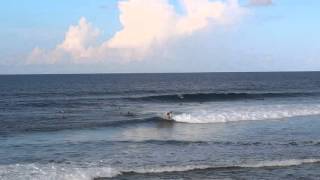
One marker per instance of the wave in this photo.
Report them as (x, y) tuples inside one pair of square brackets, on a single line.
[(74, 93), (203, 97), (215, 114), (249, 113), (263, 164), (48, 126), (209, 142), (54, 172), (67, 172), (281, 163)]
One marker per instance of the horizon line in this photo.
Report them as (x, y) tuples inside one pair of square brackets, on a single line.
[(190, 72)]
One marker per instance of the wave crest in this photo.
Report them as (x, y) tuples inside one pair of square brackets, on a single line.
[(203, 97), (63, 172), (263, 164), (250, 113)]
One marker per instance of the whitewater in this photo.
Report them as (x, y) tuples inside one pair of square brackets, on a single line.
[(246, 113), (65, 172)]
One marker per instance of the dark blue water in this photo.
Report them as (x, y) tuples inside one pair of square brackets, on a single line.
[(225, 126)]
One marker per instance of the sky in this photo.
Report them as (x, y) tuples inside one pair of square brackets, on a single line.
[(146, 36)]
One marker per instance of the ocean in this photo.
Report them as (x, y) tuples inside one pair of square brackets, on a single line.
[(112, 126)]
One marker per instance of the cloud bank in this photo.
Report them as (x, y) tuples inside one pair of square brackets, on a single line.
[(146, 26)]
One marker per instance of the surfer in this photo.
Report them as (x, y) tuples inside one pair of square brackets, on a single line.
[(130, 114), (168, 115)]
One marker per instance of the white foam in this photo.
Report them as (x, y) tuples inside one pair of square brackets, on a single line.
[(281, 163), (247, 113), (164, 169), (274, 163), (53, 172)]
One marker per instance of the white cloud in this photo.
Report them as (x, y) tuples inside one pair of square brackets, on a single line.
[(79, 38), (143, 21), (146, 24), (77, 45), (198, 14)]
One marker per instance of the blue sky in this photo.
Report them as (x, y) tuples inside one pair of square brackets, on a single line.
[(283, 35)]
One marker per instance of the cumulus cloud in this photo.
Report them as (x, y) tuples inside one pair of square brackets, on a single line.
[(260, 2), (79, 38), (143, 22), (76, 45), (146, 24)]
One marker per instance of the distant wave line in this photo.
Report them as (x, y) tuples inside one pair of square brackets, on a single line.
[(203, 97)]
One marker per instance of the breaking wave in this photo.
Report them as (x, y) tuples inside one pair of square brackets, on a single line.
[(63, 172), (249, 113), (214, 114), (53, 172), (263, 164)]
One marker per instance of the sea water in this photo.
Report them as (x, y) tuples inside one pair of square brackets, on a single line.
[(112, 126)]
